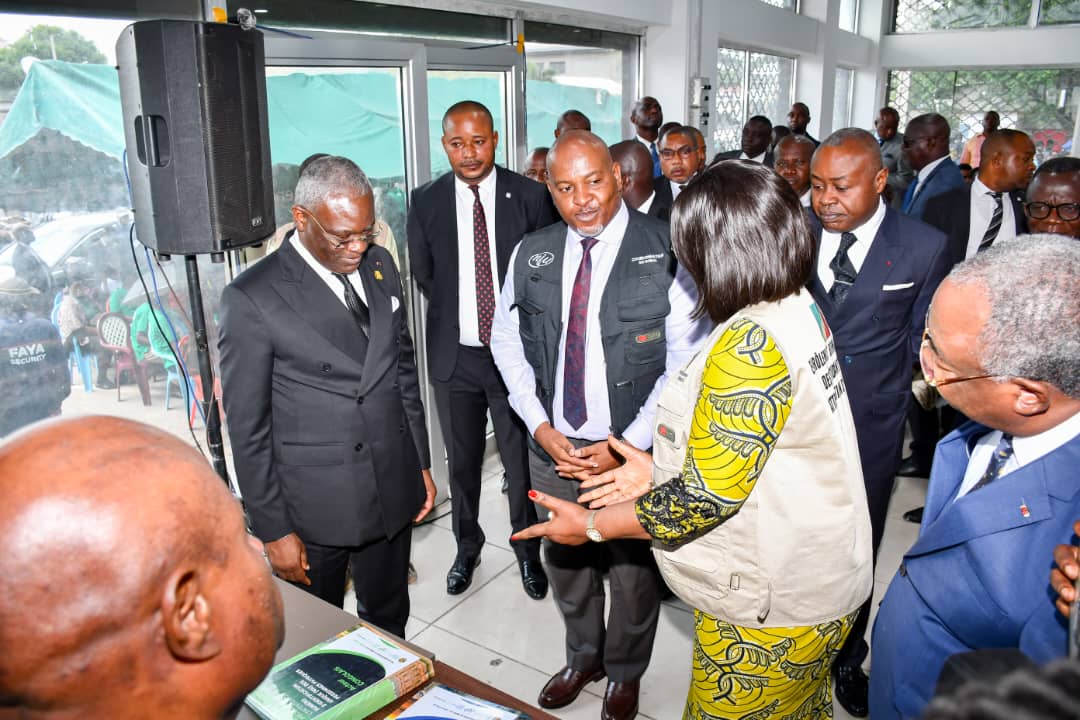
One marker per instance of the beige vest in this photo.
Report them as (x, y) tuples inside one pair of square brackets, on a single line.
[(797, 552)]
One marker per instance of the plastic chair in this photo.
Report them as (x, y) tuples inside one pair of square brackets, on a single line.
[(173, 374), (114, 330), (87, 364)]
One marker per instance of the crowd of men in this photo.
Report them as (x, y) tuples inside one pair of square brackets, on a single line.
[(556, 306)]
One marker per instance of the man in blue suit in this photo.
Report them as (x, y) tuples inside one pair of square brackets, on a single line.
[(876, 273), (926, 149), (1003, 347)]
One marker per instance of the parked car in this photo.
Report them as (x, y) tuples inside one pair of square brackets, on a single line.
[(93, 240)]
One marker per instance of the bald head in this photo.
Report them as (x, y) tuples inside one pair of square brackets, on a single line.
[(584, 182), (636, 164), (124, 534), (926, 139), (856, 141), (572, 120), (1007, 161)]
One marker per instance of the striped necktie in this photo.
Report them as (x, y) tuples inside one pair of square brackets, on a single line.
[(843, 270), (995, 222)]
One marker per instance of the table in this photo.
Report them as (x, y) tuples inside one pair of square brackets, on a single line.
[(309, 620)]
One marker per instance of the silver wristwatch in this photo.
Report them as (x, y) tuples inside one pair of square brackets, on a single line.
[(590, 528)]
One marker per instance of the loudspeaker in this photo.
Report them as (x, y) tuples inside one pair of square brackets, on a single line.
[(193, 96)]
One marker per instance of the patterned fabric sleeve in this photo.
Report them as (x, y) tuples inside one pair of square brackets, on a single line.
[(745, 401)]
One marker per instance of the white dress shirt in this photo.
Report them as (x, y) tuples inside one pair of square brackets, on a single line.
[(805, 199), (830, 243), (684, 337), (644, 207), (649, 144), (468, 319), (328, 277), (676, 188), (982, 211), (920, 178), (1025, 450), (759, 159)]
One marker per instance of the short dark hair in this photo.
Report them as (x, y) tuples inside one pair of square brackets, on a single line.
[(310, 159), (1048, 693), (964, 166), (760, 119), (677, 129), (468, 106), (891, 111), (1059, 166), (742, 234), (574, 116)]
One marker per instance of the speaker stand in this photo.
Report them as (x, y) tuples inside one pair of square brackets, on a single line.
[(206, 371)]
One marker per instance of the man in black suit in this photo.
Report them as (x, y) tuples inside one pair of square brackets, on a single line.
[(793, 156), (647, 117), (876, 273), (637, 180), (678, 163), (592, 315), (320, 386), (462, 228), (572, 120), (798, 118), (756, 140)]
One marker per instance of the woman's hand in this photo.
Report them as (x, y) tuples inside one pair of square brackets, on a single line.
[(565, 524), (627, 482)]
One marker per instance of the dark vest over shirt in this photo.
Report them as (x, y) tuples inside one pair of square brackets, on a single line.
[(633, 311)]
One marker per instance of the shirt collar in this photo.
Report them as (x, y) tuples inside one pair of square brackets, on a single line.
[(805, 199), (757, 158), (866, 232), (644, 207), (1031, 448), (925, 172), (613, 233), (487, 185), (320, 269)]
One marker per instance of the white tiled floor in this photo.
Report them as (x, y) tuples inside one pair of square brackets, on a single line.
[(496, 633)]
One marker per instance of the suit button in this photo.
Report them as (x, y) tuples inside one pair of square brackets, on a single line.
[(327, 367), (359, 447), (395, 386), (360, 400), (903, 570), (847, 359), (874, 318), (401, 428)]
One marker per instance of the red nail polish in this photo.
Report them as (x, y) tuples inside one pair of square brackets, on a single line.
[(532, 494)]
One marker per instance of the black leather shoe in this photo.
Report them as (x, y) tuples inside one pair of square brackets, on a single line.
[(914, 516), (620, 701), (534, 579), (564, 687), (459, 578), (852, 690), (910, 468)]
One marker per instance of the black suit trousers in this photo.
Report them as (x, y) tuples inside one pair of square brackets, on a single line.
[(463, 401), (380, 572)]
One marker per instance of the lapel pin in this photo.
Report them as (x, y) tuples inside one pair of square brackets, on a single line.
[(1024, 509), (507, 196), (888, 263), (378, 275)]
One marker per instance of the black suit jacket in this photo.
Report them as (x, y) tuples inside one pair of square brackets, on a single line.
[(662, 187), (327, 428), (950, 212), (521, 206), (878, 331), (661, 204), (734, 155)]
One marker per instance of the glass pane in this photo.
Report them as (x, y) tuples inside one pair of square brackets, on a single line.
[(564, 77), (381, 19), (769, 93), (849, 15), (786, 4), (1039, 102), (842, 98), (730, 96), (923, 15), (352, 112), (446, 87), (1056, 12)]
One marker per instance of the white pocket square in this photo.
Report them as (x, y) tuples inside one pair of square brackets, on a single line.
[(394, 303), (900, 286)]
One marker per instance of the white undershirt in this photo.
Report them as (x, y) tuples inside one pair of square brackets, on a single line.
[(920, 178), (982, 212), (328, 277), (644, 207), (468, 318), (760, 159), (676, 188), (805, 199), (1025, 450), (830, 243)]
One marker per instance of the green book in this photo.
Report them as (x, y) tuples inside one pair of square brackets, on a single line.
[(349, 676)]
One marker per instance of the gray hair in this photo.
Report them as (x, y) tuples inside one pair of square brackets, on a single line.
[(328, 176), (1033, 331)]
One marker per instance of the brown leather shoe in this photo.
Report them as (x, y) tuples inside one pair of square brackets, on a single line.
[(620, 701), (565, 685)]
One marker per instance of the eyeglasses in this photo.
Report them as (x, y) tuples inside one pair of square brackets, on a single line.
[(337, 241), (929, 365), (684, 152), (1066, 212)]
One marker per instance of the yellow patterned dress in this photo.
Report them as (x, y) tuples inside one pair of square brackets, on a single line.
[(739, 672)]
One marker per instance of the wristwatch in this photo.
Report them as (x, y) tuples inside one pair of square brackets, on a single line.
[(590, 528)]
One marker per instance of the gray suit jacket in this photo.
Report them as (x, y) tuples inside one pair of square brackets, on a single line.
[(327, 427)]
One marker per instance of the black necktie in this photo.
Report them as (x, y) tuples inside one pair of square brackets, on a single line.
[(1002, 453), (995, 222), (843, 270), (356, 305)]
